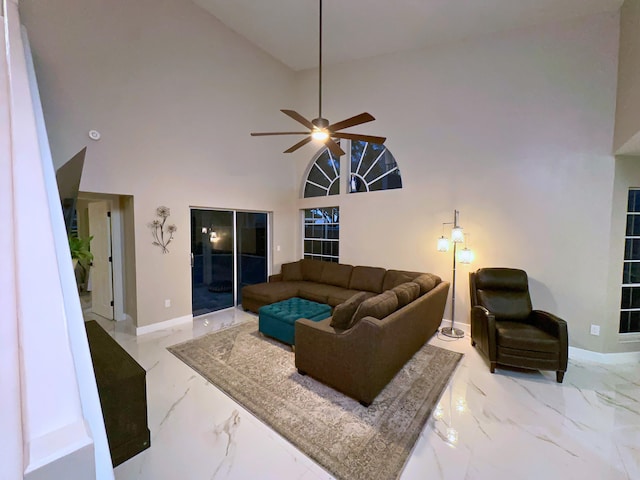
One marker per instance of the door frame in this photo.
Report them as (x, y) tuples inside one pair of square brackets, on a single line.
[(117, 249), (235, 211)]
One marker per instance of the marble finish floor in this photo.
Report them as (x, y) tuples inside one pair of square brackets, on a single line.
[(510, 425)]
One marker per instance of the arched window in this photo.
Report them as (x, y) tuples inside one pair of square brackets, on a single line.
[(372, 167), (324, 176)]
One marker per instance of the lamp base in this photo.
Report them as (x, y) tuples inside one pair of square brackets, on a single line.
[(452, 332)]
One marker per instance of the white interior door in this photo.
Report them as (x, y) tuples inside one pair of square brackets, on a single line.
[(101, 273)]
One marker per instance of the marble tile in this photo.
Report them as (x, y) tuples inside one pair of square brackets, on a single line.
[(512, 424)]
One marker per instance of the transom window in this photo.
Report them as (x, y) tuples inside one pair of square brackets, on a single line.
[(372, 168), (324, 176), (630, 305), (322, 233)]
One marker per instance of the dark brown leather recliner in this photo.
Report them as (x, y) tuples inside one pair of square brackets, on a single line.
[(506, 329)]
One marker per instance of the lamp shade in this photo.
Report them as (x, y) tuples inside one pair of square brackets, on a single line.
[(443, 244), (465, 255), (456, 235)]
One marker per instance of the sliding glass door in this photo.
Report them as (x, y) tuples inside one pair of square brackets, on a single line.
[(228, 251)]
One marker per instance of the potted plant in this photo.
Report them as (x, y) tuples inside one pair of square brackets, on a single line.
[(80, 249), (80, 254)]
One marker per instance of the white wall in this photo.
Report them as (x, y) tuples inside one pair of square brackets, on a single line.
[(515, 131), (627, 132), (174, 94)]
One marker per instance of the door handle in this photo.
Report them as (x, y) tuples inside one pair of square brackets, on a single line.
[(191, 259)]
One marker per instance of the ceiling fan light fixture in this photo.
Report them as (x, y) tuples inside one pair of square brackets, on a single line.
[(320, 129), (320, 134)]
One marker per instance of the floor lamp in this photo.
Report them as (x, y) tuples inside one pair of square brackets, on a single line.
[(463, 256)]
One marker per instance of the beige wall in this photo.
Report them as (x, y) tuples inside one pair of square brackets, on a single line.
[(627, 131), (174, 94), (515, 131)]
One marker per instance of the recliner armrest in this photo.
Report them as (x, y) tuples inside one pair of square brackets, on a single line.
[(549, 322), (483, 330), (557, 327)]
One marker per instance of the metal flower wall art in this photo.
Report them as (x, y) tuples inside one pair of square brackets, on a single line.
[(162, 236)]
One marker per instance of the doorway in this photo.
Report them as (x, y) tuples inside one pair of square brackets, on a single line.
[(107, 285), (228, 251)]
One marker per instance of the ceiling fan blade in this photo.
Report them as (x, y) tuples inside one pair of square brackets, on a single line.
[(357, 136), (334, 147), (299, 118), (262, 134), (351, 122), (301, 143)]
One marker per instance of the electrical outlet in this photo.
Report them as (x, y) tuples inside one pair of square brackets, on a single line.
[(595, 329), (167, 304)]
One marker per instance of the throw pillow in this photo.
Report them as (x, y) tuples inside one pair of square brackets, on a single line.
[(292, 272), (343, 313), (378, 307), (406, 292), (426, 281)]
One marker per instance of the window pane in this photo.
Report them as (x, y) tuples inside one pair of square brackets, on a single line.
[(631, 272), (633, 225), (630, 297), (634, 201), (632, 249), (325, 172), (321, 233), (372, 168), (313, 191), (629, 322)]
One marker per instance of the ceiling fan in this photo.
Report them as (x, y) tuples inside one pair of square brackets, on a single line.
[(320, 128)]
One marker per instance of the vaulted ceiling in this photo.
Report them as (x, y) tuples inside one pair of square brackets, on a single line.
[(354, 29)]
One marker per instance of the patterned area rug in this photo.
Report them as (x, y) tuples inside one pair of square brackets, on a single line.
[(350, 441)]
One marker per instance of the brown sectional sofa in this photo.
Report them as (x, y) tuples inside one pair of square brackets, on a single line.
[(360, 359), (323, 282)]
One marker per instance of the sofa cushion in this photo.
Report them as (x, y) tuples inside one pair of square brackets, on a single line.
[(343, 313), (318, 292), (427, 281), (367, 278), (406, 292), (292, 272), (337, 274), (393, 278), (342, 295), (378, 307), (312, 269), (266, 293)]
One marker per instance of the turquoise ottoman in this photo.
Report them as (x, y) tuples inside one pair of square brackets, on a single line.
[(278, 319)]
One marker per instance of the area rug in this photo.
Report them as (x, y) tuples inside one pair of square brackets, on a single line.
[(350, 441)]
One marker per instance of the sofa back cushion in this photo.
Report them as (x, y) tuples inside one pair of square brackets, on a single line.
[(312, 269), (337, 274), (367, 278), (292, 272), (344, 312), (378, 307), (427, 281), (406, 292), (393, 278)]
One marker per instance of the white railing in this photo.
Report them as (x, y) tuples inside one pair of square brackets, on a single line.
[(51, 421)]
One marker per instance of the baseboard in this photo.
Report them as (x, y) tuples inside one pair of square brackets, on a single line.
[(154, 327), (605, 358)]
